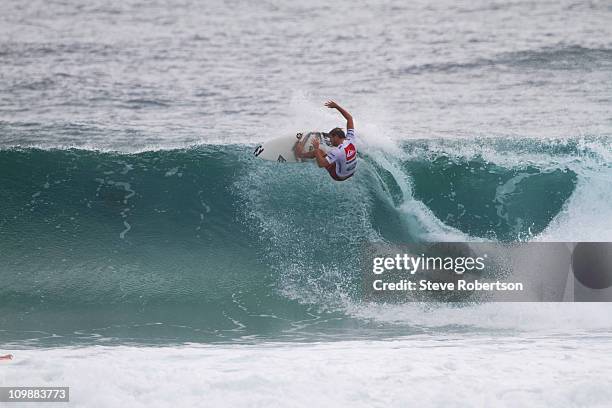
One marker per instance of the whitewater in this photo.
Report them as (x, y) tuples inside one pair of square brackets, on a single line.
[(147, 258)]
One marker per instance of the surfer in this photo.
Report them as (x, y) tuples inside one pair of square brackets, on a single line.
[(341, 161)]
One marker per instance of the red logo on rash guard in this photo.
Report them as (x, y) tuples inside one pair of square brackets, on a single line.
[(350, 151)]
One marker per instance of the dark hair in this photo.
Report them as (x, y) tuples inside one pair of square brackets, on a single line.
[(337, 132)]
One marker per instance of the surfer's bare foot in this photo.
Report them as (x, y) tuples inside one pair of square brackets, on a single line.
[(6, 357)]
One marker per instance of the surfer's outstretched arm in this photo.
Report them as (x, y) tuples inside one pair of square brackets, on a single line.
[(344, 112)]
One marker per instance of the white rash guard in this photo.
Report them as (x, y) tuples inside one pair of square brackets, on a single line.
[(344, 156)]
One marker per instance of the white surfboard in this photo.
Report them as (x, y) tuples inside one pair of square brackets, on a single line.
[(282, 149)]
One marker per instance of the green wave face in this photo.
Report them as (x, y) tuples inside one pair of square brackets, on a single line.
[(486, 200), (211, 244)]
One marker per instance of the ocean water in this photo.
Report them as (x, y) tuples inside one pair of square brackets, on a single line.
[(145, 252)]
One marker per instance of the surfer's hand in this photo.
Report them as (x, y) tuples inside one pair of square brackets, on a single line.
[(315, 143), (331, 105)]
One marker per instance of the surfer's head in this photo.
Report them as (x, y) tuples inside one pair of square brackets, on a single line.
[(336, 136)]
